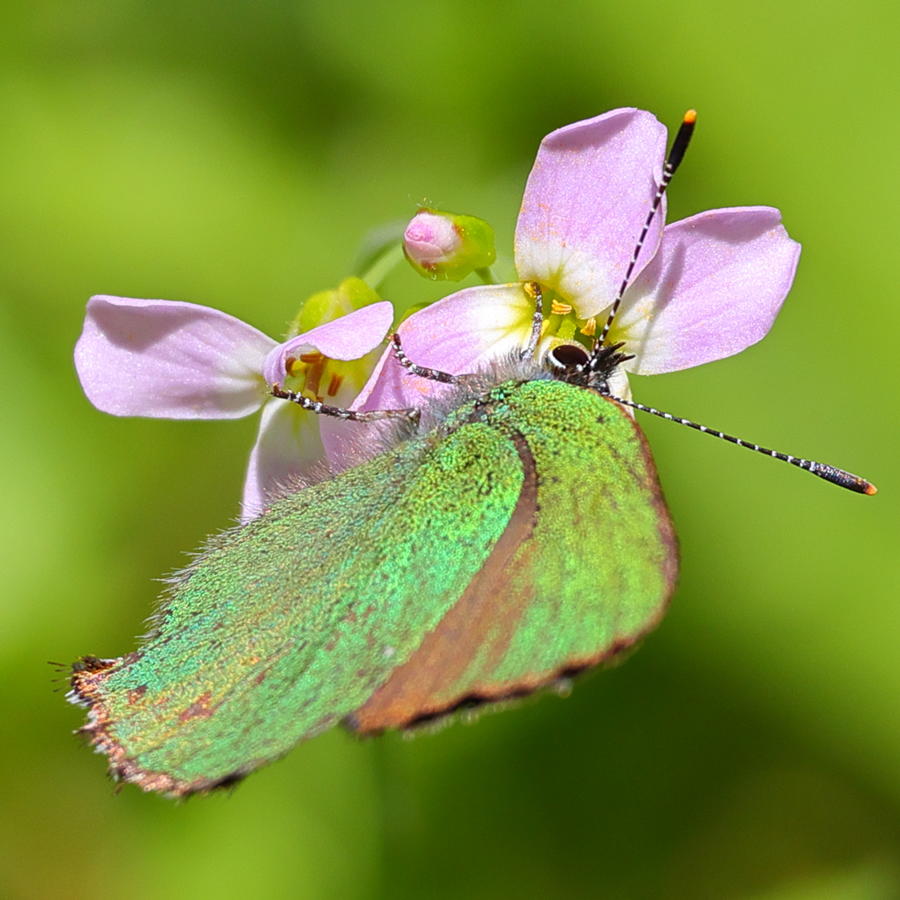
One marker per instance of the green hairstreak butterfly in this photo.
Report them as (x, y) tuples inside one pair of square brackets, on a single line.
[(446, 570)]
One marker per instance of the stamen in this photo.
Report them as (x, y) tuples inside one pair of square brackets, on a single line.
[(335, 384), (590, 327), (558, 308), (316, 368)]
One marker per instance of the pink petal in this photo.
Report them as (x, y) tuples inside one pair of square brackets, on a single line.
[(287, 445), (585, 204), (348, 337), (168, 359), (713, 289), (457, 335)]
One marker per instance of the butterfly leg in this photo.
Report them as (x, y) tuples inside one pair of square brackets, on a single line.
[(421, 371), (533, 289), (323, 409)]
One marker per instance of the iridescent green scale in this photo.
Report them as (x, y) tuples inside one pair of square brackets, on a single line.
[(522, 540)]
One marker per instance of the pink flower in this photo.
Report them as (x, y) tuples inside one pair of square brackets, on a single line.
[(174, 360), (703, 288)]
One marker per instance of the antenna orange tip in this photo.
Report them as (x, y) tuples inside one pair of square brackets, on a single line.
[(871, 489), (690, 117)]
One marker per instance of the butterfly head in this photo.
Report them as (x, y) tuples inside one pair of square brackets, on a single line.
[(573, 363)]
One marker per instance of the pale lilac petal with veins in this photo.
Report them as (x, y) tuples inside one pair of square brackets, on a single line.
[(168, 359), (350, 337), (585, 202), (456, 334), (713, 289)]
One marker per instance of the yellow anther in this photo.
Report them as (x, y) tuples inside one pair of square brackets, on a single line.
[(558, 308), (531, 288), (590, 327)]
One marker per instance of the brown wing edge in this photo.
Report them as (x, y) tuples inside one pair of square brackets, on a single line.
[(88, 674), (400, 704)]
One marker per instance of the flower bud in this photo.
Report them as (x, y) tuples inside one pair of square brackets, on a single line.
[(446, 246), (325, 306)]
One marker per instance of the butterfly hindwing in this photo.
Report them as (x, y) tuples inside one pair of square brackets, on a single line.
[(584, 569)]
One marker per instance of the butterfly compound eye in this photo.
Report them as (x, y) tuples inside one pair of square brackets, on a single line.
[(567, 357)]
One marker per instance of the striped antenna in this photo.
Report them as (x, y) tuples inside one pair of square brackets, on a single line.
[(829, 473), (673, 160)]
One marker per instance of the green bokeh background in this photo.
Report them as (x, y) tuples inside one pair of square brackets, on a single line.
[(235, 154)]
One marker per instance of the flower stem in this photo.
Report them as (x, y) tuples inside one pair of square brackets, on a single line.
[(383, 264), (486, 275)]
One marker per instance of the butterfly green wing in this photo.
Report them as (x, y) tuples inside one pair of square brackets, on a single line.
[(525, 541), (584, 569), (290, 623)]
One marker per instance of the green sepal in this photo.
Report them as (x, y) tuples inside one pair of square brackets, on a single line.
[(351, 294)]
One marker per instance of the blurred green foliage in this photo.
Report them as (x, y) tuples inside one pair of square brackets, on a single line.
[(235, 154)]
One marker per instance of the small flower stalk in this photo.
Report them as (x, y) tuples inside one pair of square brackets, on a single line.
[(445, 246)]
